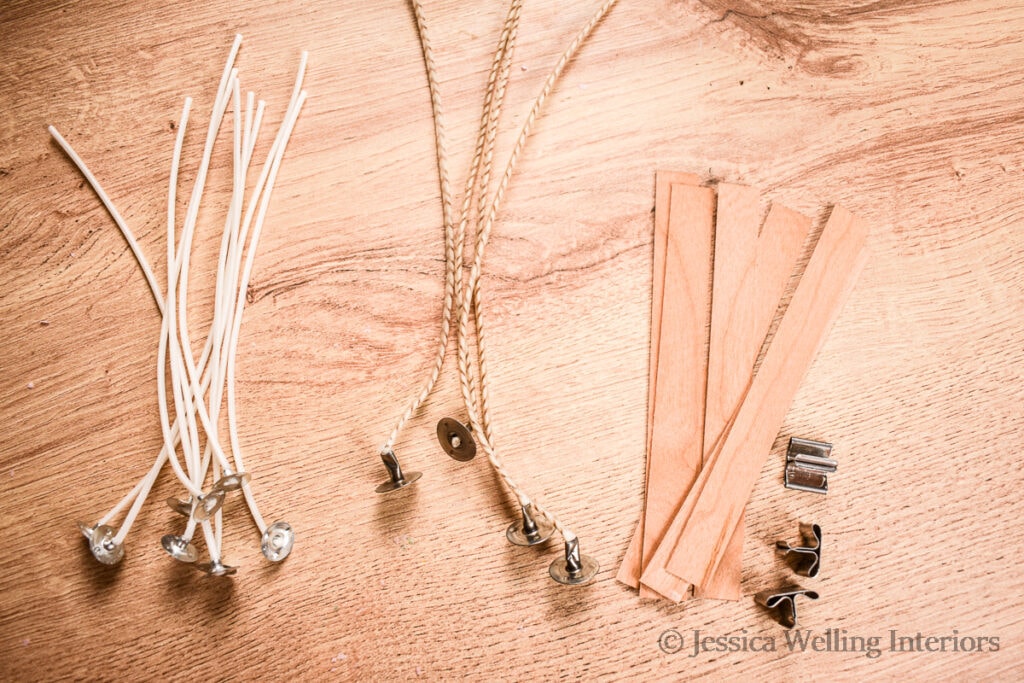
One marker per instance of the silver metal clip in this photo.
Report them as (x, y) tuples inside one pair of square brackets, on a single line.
[(783, 601), (805, 559), (808, 465)]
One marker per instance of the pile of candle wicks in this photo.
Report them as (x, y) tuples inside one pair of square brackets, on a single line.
[(209, 466)]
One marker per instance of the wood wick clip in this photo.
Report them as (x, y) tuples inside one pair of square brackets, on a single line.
[(806, 559), (808, 464), (783, 601)]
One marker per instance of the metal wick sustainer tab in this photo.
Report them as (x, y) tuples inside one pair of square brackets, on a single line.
[(805, 559), (397, 479)]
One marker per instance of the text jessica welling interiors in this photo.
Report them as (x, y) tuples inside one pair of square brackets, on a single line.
[(697, 642)]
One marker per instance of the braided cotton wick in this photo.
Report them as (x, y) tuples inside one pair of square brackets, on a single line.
[(454, 237), (452, 244), (477, 185), (468, 298), (473, 286)]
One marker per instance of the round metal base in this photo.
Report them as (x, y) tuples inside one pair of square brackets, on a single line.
[(208, 505), (277, 542), (588, 570), (182, 507), (516, 535), (103, 547), (455, 439), (231, 482), (389, 486), (178, 548), (216, 568)]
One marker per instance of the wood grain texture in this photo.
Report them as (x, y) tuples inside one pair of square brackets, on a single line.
[(753, 265), (906, 113), (677, 443), (632, 564)]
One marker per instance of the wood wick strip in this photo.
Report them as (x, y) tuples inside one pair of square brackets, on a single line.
[(753, 265), (631, 567)]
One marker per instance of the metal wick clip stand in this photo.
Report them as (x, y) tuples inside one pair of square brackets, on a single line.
[(808, 464), (806, 559), (397, 479), (783, 602)]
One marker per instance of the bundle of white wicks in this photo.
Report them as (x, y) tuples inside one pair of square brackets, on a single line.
[(206, 469)]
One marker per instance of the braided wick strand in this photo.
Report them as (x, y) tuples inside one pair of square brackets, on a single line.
[(473, 286), (476, 188), (464, 298), (452, 244), (454, 238), (479, 168)]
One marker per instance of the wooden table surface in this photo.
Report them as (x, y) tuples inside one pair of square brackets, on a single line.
[(907, 113)]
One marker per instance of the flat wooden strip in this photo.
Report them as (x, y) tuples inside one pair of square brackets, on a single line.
[(677, 430), (732, 333), (753, 264), (751, 273), (629, 570), (705, 523), (664, 181), (737, 213)]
